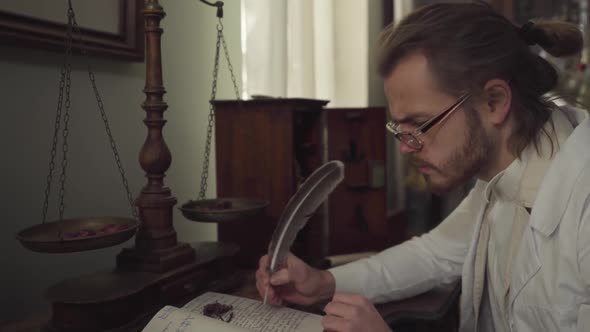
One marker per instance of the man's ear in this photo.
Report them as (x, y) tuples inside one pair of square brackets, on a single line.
[(498, 96)]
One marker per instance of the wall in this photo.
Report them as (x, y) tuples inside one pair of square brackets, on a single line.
[(375, 25), (351, 33), (28, 92)]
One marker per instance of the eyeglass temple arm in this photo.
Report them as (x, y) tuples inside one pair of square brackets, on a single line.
[(429, 124)]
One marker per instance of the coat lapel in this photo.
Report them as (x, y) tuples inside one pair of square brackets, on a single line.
[(479, 268), (526, 263), (468, 306)]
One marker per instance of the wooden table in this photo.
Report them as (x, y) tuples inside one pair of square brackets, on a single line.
[(436, 310)]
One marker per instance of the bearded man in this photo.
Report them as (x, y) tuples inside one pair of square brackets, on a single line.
[(468, 98)]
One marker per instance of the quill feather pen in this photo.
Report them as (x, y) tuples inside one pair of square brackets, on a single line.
[(313, 192)]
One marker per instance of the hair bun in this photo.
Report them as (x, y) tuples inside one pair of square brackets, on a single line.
[(525, 33), (534, 36), (557, 38)]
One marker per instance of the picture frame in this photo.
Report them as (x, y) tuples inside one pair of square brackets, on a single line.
[(108, 28)]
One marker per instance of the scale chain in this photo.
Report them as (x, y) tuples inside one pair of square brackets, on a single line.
[(65, 82), (105, 120), (229, 66), (55, 138), (64, 163), (112, 142), (220, 40)]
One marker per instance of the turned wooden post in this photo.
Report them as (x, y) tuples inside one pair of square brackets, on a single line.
[(156, 247)]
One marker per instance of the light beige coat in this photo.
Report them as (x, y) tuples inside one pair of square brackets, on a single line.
[(550, 279)]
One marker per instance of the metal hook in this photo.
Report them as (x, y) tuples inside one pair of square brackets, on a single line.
[(70, 9), (218, 4)]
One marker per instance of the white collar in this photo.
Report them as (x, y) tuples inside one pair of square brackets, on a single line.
[(520, 181)]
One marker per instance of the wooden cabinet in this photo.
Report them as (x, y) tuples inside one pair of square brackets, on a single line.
[(358, 219), (266, 148)]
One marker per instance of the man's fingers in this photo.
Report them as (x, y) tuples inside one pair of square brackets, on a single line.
[(271, 295), (334, 323), (262, 271), (350, 298), (281, 277), (297, 269), (263, 262), (343, 310), (260, 286), (263, 281), (262, 275)]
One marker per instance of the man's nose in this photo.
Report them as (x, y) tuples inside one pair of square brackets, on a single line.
[(405, 149)]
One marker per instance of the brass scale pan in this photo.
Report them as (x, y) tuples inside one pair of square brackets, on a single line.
[(223, 209), (81, 234)]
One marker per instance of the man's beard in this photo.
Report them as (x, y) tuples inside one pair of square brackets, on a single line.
[(466, 161)]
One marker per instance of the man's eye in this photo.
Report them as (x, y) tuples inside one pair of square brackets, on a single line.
[(416, 124)]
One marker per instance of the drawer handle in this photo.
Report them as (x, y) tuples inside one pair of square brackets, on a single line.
[(360, 220)]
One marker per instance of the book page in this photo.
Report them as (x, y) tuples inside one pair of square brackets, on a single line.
[(258, 317), (171, 319)]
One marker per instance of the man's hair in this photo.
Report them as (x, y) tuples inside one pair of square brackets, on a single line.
[(467, 44)]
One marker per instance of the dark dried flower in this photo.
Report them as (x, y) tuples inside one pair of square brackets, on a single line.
[(217, 310)]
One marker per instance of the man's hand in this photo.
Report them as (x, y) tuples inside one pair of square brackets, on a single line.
[(352, 313), (297, 283)]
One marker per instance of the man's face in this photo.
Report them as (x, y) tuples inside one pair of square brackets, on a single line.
[(454, 151)]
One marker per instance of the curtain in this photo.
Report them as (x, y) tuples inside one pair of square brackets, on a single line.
[(289, 50)]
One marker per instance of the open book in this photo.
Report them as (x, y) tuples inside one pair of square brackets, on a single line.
[(246, 315)]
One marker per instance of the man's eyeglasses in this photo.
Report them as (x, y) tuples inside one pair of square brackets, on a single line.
[(412, 138)]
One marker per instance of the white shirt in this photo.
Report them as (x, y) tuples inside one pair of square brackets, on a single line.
[(548, 285), (503, 234)]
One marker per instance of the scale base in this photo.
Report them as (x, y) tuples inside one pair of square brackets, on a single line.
[(122, 300), (159, 261)]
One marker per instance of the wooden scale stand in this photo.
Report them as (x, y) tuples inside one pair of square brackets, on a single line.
[(159, 270)]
